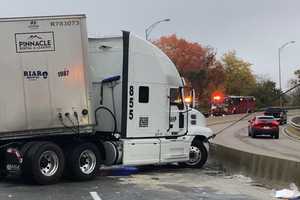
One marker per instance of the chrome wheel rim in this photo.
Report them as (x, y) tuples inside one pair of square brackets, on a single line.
[(194, 156), (48, 163), (87, 161)]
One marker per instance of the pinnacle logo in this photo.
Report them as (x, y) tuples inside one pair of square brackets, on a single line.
[(31, 37), (34, 42)]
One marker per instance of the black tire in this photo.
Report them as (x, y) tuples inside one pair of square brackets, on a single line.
[(26, 147), (35, 157), (253, 134), (89, 152), (276, 135), (3, 174), (203, 156), (25, 168)]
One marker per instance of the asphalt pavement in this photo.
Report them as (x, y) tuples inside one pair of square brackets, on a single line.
[(236, 137), (168, 182), (149, 183)]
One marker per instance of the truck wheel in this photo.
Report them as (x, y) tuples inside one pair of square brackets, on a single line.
[(3, 174), (198, 155), (84, 161), (44, 163)]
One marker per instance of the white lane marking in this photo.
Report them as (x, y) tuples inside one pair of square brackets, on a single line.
[(95, 196)]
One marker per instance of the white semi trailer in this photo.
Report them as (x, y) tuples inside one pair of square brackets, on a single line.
[(70, 104)]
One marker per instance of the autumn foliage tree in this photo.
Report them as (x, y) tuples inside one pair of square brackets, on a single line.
[(239, 80), (230, 75), (187, 56), (196, 63), (295, 94)]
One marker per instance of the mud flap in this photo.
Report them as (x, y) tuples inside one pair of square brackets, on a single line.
[(206, 144)]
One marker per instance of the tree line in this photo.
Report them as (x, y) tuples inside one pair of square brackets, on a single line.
[(229, 74)]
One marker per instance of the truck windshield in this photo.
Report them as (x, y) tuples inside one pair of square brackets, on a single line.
[(176, 98)]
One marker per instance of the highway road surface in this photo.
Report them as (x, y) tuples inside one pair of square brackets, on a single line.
[(236, 137), (167, 182), (152, 183)]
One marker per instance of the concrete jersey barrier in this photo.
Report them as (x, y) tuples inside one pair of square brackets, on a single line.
[(269, 170), (293, 128), (296, 121)]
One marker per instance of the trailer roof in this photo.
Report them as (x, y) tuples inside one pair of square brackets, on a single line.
[(11, 19), (105, 37)]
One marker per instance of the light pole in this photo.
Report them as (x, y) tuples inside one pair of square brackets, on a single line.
[(279, 65), (152, 26)]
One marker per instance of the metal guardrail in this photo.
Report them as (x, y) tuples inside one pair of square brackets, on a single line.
[(285, 107), (232, 118), (295, 122)]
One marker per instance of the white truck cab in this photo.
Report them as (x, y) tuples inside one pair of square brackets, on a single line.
[(154, 123)]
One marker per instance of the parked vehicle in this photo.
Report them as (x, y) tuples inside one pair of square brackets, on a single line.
[(69, 104), (280, 114), (263, 125)]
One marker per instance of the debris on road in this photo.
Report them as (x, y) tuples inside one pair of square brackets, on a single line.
[(240, 178), (291, 194), (118, 171)]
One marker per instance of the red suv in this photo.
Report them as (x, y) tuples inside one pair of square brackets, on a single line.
[(263, 125)]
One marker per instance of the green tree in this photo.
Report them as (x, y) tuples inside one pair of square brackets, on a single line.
[(266, 93), (239, 79), (295, 94)]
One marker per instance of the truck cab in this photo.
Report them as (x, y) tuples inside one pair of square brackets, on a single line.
[(154, 123)]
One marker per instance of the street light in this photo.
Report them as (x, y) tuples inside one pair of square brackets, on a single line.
[(279, 65), (152, 26)]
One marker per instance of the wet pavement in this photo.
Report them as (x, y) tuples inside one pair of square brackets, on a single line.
[(151, 182), (236, 137)]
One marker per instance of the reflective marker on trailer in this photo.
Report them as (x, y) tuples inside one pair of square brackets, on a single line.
[(16, 153)]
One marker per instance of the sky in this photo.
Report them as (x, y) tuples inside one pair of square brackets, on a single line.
[(255, 29)]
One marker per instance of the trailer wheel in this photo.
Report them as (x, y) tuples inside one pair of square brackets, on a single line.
[(3, 174), (198, 155), (249, 132), (44, 163), (276, 135), (84, 161)]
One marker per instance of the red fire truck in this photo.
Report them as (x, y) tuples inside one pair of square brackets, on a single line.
[(228, 105)]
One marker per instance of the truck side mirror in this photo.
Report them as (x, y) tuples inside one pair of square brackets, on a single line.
[(180, 106)]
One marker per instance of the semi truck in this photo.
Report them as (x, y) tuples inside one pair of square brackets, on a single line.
[(70, 104)]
